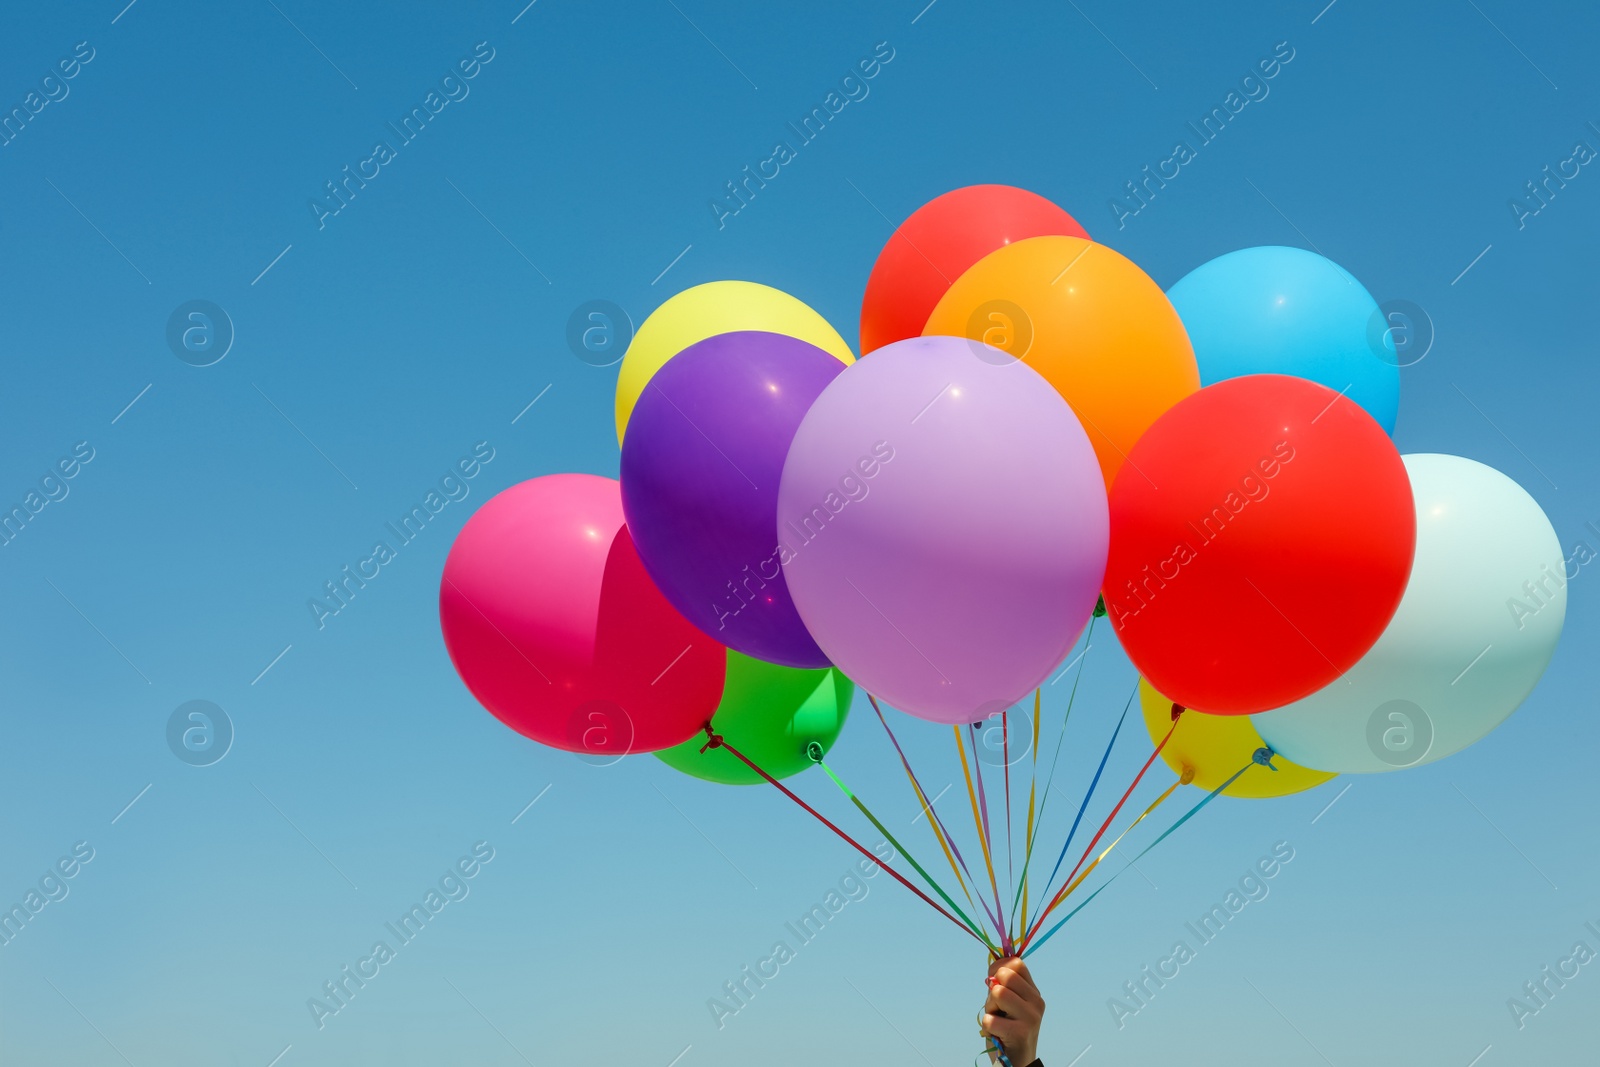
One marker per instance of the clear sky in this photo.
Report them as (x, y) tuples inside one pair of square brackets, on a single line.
[(374, 346)]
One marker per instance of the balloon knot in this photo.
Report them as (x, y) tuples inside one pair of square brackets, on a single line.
[(1264, 756), (814, 751), (713, 739), (1187, 776), (1177, 709), (1100, 608)]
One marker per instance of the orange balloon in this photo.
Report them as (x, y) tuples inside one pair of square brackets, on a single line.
[(1089, 320)]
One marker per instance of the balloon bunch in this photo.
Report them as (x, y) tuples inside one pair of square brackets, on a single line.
[(1036, 437)]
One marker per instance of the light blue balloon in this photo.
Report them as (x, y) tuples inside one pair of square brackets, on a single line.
[(1482, 612), (1277, 310)]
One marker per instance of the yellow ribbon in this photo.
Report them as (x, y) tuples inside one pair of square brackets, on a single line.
[(933, 824), (1079, 880), (972, 795), (1033, 782)]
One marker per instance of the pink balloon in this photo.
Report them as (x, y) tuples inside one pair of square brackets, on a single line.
[(553, 623), (944, 527)]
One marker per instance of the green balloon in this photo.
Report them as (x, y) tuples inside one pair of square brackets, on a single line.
[(770, 713)]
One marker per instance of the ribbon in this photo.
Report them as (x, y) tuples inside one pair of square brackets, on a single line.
[(946, 840), (1156, 803), (983, 837), (1033, 780), (1209, 797), (1005, 754), (1071, 700), (814, 751), (1059, 897), (717, 741), (1086, 796)]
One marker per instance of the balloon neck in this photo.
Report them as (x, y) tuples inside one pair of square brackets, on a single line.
[(713, 739), (1187, 776), (1100, 607), (1264, 756), (1177, 709), (814, 751)]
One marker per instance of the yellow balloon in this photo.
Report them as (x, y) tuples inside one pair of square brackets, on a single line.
[(705, 311), (1215, 746)]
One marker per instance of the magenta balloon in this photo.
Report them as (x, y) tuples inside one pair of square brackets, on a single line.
[(553, 623), (946, 526)]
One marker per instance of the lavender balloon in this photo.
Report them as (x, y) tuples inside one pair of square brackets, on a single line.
[(700, 469), (943, 527)]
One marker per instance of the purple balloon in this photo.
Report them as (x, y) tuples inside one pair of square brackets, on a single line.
[(945, 526), (701, 464)]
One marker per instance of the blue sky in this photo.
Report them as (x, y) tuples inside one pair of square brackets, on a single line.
[(375, 347)]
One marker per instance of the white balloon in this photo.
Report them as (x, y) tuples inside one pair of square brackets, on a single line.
[(1477, 626)]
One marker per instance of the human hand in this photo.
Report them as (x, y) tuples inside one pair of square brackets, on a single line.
[(1013, 1011)]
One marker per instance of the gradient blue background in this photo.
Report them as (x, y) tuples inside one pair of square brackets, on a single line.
[(409, 328)]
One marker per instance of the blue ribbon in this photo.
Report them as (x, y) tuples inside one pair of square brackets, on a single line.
[(1087, 796), (1164, 835)]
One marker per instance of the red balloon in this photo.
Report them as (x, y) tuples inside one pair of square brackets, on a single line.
[(937, 244), (1261, 537), (554, 625)]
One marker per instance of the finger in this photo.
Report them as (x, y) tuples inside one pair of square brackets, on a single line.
[(996, 964), (1002, 1001), (1013, 974), (1015, 1002), (1025, 990)]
